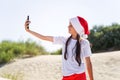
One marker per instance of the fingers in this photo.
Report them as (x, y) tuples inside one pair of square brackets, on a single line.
[(27, 25)]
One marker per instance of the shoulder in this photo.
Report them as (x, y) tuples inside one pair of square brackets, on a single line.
[(59, 39), (85, 42)]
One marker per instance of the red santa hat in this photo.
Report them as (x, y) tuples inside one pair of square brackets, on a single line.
[(81, 26)]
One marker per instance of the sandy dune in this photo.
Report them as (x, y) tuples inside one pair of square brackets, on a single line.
[(106, 66)]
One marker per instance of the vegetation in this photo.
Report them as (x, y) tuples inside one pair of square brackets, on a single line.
[(10, 50), (105, 38), (58, 52)]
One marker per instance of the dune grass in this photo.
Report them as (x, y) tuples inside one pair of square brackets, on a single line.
[(11, 49)]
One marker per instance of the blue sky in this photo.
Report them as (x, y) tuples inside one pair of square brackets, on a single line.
[(51, 17)]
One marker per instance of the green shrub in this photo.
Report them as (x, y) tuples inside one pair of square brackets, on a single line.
[(105, 38), (6, 57), (10, 50), (33, 49), (58, 52)]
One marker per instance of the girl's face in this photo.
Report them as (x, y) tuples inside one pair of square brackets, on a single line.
[(71, 29)]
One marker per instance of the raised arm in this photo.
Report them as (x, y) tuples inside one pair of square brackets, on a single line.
[(40, 36)]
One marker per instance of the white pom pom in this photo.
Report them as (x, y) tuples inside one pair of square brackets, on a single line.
[(84, 36)]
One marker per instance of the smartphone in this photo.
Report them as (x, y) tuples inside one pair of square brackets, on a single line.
[(28, 20)]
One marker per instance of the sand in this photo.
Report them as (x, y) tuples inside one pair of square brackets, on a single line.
[(106, 66)]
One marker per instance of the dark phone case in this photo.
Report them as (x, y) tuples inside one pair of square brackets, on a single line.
[(28, 20)]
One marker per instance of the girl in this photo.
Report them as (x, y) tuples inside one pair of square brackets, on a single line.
[(76, 49)]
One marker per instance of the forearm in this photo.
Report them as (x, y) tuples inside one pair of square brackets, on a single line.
[(90, 71), (47, 38), (89, 68)]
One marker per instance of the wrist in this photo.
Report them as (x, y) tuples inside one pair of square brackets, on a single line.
[(28, 30)]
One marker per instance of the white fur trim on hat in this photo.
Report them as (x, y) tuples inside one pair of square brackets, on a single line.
[(77, 26)]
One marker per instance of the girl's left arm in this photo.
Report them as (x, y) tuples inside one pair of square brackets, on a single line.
[(89, 68)]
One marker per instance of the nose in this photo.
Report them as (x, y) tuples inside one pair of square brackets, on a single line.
[(68, 26)]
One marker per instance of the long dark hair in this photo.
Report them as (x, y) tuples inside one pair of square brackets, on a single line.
[(77, 51)]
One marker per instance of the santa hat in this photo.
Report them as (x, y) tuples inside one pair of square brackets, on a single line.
[(81, 26)]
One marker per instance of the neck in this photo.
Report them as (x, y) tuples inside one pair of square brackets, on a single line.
[(74, 36)]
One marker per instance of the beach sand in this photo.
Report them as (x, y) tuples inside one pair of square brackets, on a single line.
[(106, 66)]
